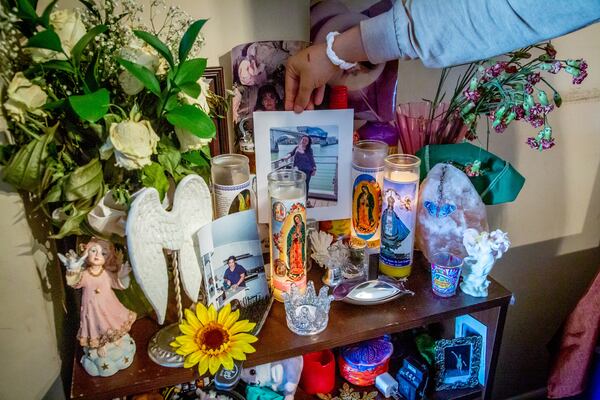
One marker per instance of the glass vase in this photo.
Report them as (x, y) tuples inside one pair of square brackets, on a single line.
[(418, 126)]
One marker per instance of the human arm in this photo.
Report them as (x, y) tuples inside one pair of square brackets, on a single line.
[(241, 280), (443, 33), (439, 32)]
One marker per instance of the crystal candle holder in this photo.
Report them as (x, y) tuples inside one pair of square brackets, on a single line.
[(306, 313)]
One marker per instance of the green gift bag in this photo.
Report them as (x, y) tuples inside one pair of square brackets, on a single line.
[(498, 181)]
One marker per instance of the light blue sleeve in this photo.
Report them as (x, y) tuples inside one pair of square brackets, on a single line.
[(449, 32)]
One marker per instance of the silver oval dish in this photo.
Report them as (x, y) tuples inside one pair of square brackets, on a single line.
[(374, 292)]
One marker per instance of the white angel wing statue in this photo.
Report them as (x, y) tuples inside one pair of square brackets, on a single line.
[(150, 229)]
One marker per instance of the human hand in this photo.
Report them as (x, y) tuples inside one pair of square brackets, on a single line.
[(306, 74)]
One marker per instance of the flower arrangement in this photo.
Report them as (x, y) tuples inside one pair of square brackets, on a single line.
[(510, 90), (97, 104)]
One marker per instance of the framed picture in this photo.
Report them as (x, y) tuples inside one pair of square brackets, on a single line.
[(457, 362), (465, 326), (258, 72), (220, 144), (318, 143)]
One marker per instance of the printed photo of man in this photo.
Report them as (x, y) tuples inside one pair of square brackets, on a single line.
[(235, 274)]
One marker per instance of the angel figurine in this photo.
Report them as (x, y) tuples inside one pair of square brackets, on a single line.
[(484, 249), (105, 322)]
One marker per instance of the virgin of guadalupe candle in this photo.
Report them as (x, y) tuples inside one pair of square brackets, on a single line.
[(287, 192), (400, 195), (231, 184), (367, 178)]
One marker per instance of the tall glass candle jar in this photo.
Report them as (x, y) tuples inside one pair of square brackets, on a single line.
[(367, 178), (400, 196), (287, 192), (231, 184)]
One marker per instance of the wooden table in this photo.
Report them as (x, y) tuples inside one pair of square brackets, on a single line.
[(347, 324)]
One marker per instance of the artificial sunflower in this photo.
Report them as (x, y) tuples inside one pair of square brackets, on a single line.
[(212, 339)]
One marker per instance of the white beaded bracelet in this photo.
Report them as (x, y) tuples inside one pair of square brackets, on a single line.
[(333, 57)]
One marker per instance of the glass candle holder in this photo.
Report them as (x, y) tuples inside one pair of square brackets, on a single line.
[(445, 273), (232, 191), (306, 313), (367, 178), (400, 197), (287, 192)]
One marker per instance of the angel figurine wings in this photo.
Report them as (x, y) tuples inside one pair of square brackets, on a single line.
[(105, 322)]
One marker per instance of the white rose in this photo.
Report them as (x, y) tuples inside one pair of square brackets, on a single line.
[(133, 143), (24, 96), (189, 141), (140, 54), (69, 27), (251, 73)]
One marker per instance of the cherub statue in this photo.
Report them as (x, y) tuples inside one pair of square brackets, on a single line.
[(484, 249), (105, 322)]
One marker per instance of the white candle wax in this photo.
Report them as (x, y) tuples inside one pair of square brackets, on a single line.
[(403, 176), (287, 193)]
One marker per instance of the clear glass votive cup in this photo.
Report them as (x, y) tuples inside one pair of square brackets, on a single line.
[(445, 273)]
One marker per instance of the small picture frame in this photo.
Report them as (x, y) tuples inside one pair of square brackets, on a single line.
[(220, 144), (457, 362), (466, 325)]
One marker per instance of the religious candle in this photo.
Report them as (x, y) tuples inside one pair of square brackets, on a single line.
[(367, 178), (231, 184), (287, 192), (400, 196)]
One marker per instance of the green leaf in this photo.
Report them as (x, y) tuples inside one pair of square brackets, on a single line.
[(188, 39), (190, 71), (192, 89), (153, 175), (45, 18), (169, 158), (82, 43), (26, 168), (142, 73), (26, 9), (196, 158), (193, 120), (72, 225), (85, 182), (172, 102), (60, 65), (47, 39), (159, 46), (91, 74), (91, 107), (55, 193)]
